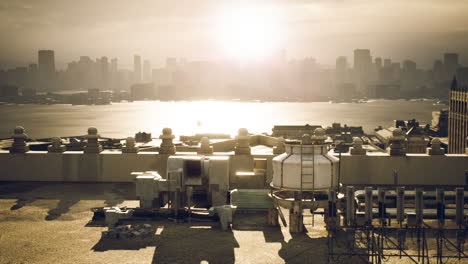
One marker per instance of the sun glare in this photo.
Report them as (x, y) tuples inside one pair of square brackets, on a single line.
[(246, 34)]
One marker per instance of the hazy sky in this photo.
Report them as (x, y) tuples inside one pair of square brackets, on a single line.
[(418, 29)]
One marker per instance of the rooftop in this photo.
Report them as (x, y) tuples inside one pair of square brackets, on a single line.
[(52, 223)]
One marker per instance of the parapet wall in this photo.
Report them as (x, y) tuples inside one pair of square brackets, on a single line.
[(410, 169), (76, 166), (114, 166), (107, 166)]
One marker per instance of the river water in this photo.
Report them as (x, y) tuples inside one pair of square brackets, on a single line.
[(187, 118)]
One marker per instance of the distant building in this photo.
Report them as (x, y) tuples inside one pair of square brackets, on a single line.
[(458, 117), (167, 92), (46, 67), (362, 68), (18, 76), (450, 64), (462, 75), (46, 61), (336, 128), (8, 91), (438, 71), (387, 63), (28, 92), (114, 65), (415, 140), (93, 93), (378, 63), (385, 75), (104, 71), (142, 137), (137, 68), (79, 99), (389, 91), (147, 71), (440, 122), (346, 90), (409, 76), (143, 91), (396, 68), (341, 70), (33, 76), (294, 132)]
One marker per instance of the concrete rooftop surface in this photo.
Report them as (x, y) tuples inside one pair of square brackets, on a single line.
[(53, 223)]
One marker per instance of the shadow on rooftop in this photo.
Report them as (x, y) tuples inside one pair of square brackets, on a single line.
[(21, 202), (63, 206), (303, 249), (273, 234), (68, 194), (111, 193), (196, 243), (117, 194), (180, 243)]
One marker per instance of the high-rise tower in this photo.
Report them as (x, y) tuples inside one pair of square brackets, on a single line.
[(450, 64), (458, 117), (46, 67), (362, 68), (146, 71), (137, 68)]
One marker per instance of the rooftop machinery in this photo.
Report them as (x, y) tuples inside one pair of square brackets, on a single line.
[(303, 175)]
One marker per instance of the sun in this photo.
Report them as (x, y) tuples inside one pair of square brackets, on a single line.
[(248, 33)]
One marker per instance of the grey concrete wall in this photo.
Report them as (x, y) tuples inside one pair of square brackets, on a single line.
[(77, 166), (107, 166), (412, 169)]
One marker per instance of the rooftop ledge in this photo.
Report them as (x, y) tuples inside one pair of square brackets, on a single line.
[(382, 154), (112, 152)]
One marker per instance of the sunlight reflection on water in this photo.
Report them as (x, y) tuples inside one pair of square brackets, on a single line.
[(187, 118)]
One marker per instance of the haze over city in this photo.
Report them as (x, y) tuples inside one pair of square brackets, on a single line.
[(222, 131), (417, 30)]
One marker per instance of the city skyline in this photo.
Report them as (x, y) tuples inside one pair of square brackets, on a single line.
[(277, 78), (197, 29), (132, 59), (221, 131)]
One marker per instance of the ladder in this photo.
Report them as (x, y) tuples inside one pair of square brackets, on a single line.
[(307, 172)]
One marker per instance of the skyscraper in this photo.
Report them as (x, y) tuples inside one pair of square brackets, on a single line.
[(113, 74), (362, 68), (32, 76), (462, 75), (341, 69), (137, 68), (458, 117), (104, 73), (409, 76), (46, 65), (438, 71), (396, 69), (114, 65), (378, 63), (146, 71), (450, 65), (387, 63)]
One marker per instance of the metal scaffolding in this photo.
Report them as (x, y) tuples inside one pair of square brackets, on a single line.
[(368, 233)]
